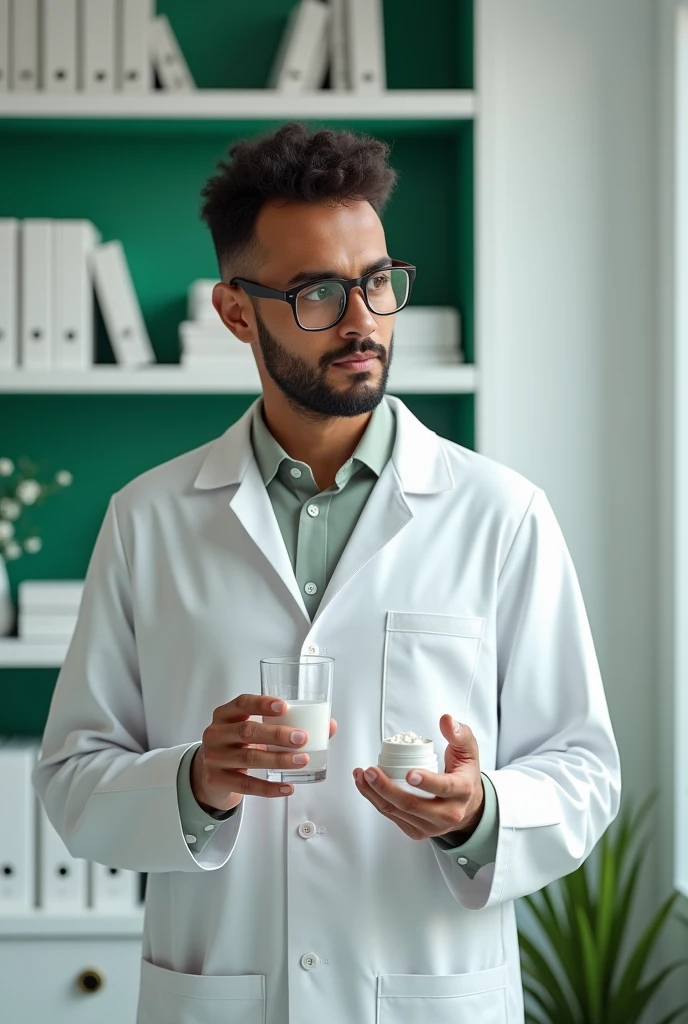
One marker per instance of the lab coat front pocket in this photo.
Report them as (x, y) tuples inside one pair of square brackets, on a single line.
[(169, 997), (429, 664), (475, 998)]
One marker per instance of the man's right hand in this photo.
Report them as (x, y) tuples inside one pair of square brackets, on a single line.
[(231, 745)]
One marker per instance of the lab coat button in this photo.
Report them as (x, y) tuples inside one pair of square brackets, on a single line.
[(309, 961), (190, 839), (313, 510), (296, 473), (313, 649), (208, 828), (306, 829), (311, 588), (462, 861)]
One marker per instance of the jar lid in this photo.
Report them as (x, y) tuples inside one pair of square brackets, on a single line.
[(407, 749)]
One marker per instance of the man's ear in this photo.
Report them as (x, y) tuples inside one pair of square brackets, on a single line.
[(235, 311)]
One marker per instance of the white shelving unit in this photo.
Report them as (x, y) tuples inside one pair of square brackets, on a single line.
[(245, 104), (90, 924), (450, 378)]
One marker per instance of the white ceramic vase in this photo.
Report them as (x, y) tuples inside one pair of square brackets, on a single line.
[(6, 606)]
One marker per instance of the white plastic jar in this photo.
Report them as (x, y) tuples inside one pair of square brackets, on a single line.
[(403, 752)]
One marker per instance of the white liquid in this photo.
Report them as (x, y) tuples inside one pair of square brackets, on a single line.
[(311, 716)]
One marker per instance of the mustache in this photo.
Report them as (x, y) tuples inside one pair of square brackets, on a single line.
[(365, 346)]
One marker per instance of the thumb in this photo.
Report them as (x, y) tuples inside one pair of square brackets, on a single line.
[(463, 746)]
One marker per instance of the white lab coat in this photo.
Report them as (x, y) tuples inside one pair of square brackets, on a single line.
[(456, 594)]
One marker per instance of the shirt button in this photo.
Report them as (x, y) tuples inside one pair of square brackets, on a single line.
[(309, 961), (313, 510), (296, 473), (313, 649), (462, 861), (190, 839), (311, 588), (208, 828), (306, 829)]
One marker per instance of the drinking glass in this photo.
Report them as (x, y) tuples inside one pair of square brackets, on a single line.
[(304, 683)]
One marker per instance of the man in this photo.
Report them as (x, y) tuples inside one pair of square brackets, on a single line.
[(328, 520)]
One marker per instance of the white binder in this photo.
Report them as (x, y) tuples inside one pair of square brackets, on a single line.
[(58, 45), (9, 292), (167, 57), (46, 627), (198, 338), (300, 64), (200, 300), (73, 301), (114, 890), (119, 305), (46, 596), (97, 36), (4, 45), (339, 47), (366, 46), (18, 804), (135, 74), (36, 293), (62, 879), (24, 76)]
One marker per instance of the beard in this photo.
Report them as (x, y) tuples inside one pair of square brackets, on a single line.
[(306, 387)]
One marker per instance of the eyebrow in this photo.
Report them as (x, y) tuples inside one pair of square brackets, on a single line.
[(310, 276)]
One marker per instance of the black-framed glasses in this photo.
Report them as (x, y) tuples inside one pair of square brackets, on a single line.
[(322, 304)]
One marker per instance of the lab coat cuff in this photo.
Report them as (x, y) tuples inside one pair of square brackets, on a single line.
[(480, 848), (199, 826)]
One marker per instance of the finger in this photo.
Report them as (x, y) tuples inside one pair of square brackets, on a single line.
[(394, 802), (463, 745), (445, 785), (247, 785), (333, 727), (248, 704)]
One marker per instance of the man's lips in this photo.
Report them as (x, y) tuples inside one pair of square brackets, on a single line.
[(358, 362)]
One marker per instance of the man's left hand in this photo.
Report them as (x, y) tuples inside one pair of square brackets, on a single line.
[(459, 795)]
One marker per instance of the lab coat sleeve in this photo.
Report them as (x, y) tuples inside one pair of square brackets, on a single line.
[(198, 826), (557, 776), (481, 848), (110, 798)]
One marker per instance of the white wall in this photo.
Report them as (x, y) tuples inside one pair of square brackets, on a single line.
[(568, 320)]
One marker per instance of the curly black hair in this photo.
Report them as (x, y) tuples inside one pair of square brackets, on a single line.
[(293, 162)]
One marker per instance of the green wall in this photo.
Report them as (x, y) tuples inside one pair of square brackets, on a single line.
[(140, 181)]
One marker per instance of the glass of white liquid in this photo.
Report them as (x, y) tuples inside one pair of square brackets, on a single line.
[(304, 683)]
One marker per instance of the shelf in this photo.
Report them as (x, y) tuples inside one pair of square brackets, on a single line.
[(16, 653), (456, 378), (40, 924), (243, 105)]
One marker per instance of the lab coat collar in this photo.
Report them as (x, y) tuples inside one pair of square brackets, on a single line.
[(418, 457)]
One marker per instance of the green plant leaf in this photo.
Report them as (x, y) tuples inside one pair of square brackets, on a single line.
[(554, 926), (606, 903), (626, 992), (539, 969), (645, 994), (593, 976), (674, 1015), (548, 1007)]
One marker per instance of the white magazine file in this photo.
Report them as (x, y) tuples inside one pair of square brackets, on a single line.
[(36, 293), (74, 306), (4, 45), (135, 73), (119, 305), (167, 57), (18, 803), (58, 45), (300, 64), (24, 68), (366, 39), (9, 292), (98, 39)]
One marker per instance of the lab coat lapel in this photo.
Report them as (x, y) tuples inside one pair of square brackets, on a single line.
[(230, 460), (418, 466)]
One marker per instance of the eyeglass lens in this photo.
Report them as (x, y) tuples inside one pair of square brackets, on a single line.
[(321, 304)]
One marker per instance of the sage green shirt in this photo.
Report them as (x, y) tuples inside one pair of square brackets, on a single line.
[(316, 526)]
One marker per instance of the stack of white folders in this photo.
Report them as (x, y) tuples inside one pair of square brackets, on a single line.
[(427, 336), (38, 873), (49, 271), (204, 341), (344, 36), (91, 46), (48, 609)]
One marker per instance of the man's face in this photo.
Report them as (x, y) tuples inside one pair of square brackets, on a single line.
[(334, 241)]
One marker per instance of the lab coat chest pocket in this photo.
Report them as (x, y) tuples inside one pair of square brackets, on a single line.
[(442, 999), (177, 998), (429, 663)]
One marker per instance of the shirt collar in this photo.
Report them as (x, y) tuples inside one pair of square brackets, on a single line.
[(373, 450)]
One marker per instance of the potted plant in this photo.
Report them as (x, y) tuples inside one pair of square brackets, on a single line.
[(580, 974)]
